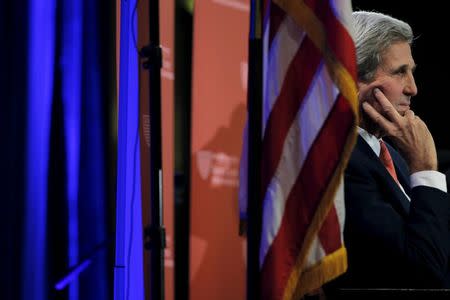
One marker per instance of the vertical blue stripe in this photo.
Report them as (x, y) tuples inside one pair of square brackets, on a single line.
[(92, 196), (40, 88), (128, 275), (119, 269), (71, 65)]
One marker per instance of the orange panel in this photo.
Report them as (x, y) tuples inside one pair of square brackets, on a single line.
[(218, 254)]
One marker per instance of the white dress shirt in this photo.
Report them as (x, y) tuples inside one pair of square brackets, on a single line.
[(429, 178)]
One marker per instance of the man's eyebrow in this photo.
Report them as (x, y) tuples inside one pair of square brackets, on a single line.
[(404, 67)]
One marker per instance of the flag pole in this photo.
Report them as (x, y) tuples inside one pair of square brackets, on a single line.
[(154, 235), (254, 106)]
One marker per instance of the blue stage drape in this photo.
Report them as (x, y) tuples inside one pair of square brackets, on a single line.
[(128, 274), (57, 165)]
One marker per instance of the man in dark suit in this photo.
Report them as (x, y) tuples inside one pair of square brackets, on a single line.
[(397, 216)]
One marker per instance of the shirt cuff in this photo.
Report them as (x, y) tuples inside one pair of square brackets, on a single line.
[(432, 179)]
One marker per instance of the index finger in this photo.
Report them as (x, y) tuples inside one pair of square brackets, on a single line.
[(388, 110)]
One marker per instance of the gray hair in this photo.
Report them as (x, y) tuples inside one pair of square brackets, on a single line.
[(374, 33)]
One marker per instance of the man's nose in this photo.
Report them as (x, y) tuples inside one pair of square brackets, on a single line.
[(410, 86)]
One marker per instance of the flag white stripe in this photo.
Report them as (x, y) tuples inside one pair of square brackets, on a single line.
[(339, 204), (343, 12), (284, 47), (316, 106), (316, 253)]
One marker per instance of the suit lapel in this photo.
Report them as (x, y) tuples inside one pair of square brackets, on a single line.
[(399, 200)]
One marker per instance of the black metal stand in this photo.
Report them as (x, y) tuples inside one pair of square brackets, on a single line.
[(183, 75), (155, 238), (254, 103)]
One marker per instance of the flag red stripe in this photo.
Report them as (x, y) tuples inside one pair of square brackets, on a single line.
[(338, 38), (295, 86), (277, 16), (266, 4), (305, 196), (265, 13), (330, 232)]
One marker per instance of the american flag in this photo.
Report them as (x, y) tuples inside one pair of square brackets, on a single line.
[(309, 128)]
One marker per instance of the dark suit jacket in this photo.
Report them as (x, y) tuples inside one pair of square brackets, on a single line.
[(391, 242)]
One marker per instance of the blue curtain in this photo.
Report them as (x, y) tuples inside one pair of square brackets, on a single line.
[(57, 166), (128, 274)]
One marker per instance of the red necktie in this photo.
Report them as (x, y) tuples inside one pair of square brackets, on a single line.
[(386, 159)]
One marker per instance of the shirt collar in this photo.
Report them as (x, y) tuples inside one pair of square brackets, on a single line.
[(372, 140)]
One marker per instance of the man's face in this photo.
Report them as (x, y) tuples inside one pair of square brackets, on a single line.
[(394, 77)]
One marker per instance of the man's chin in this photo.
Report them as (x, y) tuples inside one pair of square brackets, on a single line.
[(402, 109), (402, 112)]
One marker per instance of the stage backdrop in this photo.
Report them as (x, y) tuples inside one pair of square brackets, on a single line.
[(217, 253)]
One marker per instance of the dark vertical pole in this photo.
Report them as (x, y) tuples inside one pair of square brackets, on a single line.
[(155, 235), (254, 103), (183, 71)]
